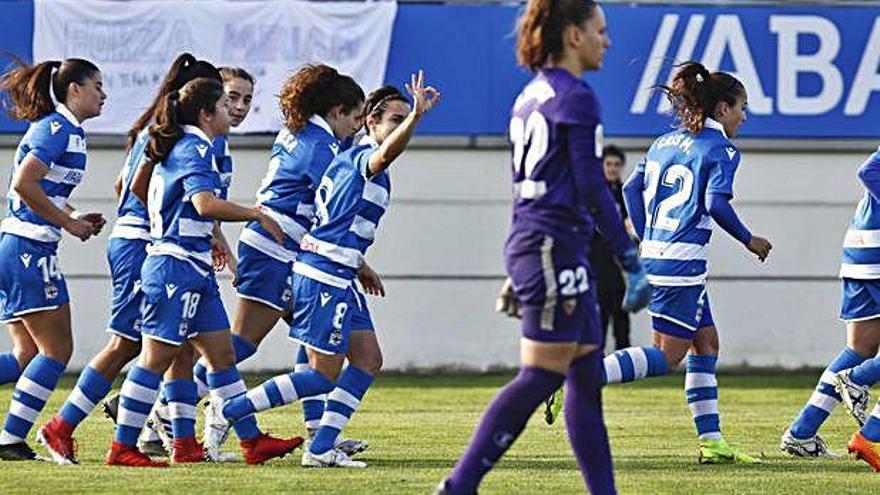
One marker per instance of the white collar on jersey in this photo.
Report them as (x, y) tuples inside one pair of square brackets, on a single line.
[(191, 129), (368, 140), (714, 124), (320, 122), (63, 110)]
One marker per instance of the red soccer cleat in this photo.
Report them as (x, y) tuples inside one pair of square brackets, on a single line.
[(265, 447), (57, 437), (865, 450), (188, 450), (128, 455)]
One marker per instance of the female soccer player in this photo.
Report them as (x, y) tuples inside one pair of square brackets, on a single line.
[(684, 183), (126, 252), (321, 108), (181, 300), (848, 378), (351, 199), (560, 197), (49, 163)]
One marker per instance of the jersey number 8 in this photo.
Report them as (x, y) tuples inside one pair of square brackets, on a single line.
[(154, 205)]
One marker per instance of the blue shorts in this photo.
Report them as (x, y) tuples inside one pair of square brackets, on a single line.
[(262, 278), (554, 285), (30, 278), (861, 300), (126, 257), (324, 315), (179, 302), (680, 311)]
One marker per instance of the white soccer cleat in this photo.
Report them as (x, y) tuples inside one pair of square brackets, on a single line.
[(808, 447), (157, 431), (216, 430), (855, 397), (351, 446), (332, 458)]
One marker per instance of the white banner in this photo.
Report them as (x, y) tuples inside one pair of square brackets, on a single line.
[(135, 42)]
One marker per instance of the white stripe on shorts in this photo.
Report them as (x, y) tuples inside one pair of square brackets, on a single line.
[(549, 310)]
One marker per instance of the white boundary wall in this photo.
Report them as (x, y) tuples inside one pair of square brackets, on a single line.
[(440, 247)]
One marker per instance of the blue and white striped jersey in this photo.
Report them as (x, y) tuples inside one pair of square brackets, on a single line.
[(349, 204), (296, 164), (59, 142), (861, 246), (223, 160), (176, 227), (681, 169), (132, 219)]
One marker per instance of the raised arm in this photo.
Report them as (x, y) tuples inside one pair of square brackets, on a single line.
[(424, 99)]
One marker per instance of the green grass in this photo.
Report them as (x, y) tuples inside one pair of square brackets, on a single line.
[(418, 426)]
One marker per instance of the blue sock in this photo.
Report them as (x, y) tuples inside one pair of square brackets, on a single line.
[(138, 395), (228, 386), (32, 390), (701, 390), (182, 400), (313, 407), (871, 430), (867, 373), (824, 398), (9, 369), (278, 391), (634, 363), (342, 402), (585, 424), (90, 389), (243, 350), (502, 423)]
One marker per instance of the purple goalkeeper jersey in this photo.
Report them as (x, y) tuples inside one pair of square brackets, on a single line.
[(558, 183)]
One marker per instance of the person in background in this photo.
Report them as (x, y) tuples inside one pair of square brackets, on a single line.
[(609, 279)]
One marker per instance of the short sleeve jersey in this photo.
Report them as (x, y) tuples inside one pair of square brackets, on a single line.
[(297, 162), (58, 142), (350, 203), (176, 227)]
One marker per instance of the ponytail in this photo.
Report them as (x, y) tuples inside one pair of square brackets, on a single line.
[(179, 108), (29, 89), (541, 27), (695, 92), (185, 68)]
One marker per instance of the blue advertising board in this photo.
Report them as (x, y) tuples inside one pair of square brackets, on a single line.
[(811, 72)]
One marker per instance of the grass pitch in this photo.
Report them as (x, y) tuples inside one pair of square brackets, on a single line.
[(418, 426)]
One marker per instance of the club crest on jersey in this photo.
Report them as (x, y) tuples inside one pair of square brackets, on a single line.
[(54, 127), (170, 289), (25, 260), (335, 337), (51, 291), (202, 149), (731, 152), (325, 298), (569, 306)]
